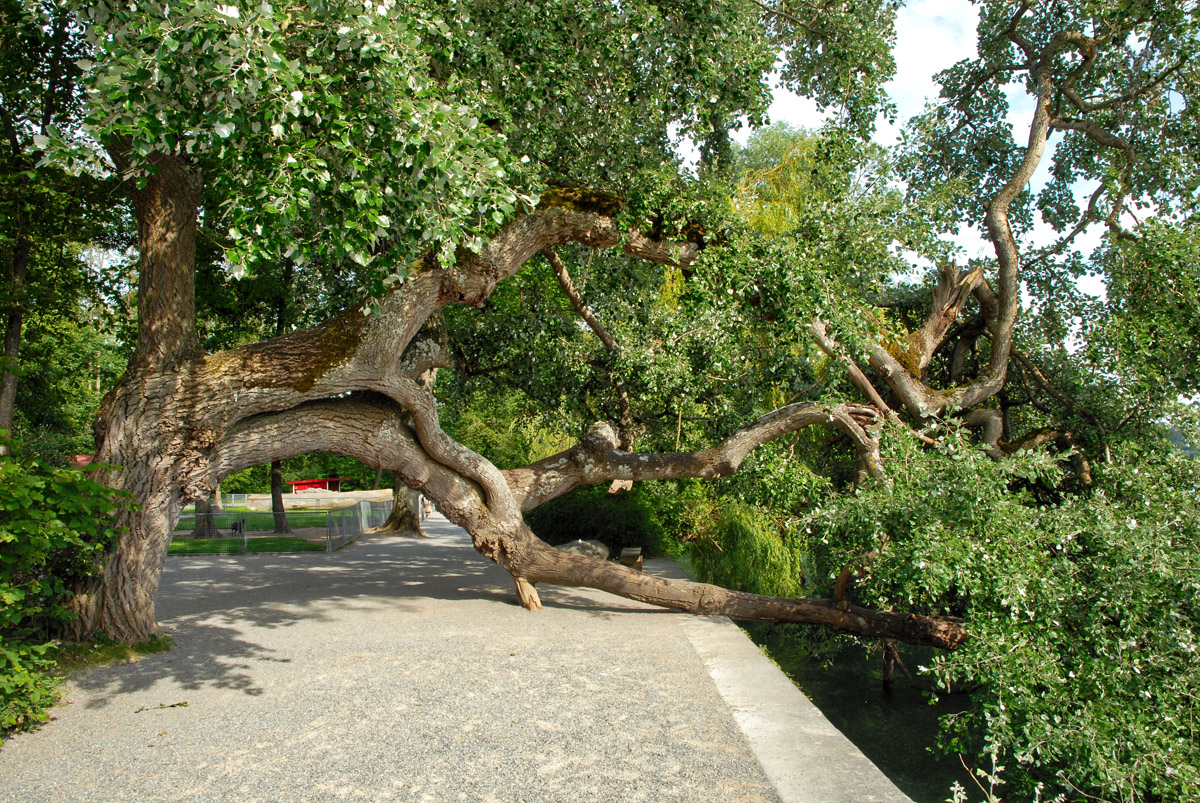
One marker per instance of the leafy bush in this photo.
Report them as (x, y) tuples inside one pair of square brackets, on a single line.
[(746, 553), (619, 521), (55, 527), (28, 686), (1083, 609)]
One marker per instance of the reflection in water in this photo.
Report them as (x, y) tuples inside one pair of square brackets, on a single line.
[(897, 731)]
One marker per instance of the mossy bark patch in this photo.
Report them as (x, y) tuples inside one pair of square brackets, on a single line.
[(578, 199), (341, 339), (299, 360)]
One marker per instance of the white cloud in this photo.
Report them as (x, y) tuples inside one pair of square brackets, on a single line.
[(931, 35)]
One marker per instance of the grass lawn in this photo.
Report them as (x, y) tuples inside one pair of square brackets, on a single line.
[(73, 655), (230, 546), (297, 520), (260, 521)]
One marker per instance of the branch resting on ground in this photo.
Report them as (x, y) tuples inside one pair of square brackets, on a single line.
[(372, 429)]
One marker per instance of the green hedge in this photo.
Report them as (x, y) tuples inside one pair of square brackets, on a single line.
[(618, 520), (55, 528)]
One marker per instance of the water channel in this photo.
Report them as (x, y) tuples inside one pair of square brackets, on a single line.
[(896, 731)]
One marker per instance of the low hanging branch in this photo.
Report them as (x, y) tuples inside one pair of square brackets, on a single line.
[(373, 430), (568, 286), (598, 459)]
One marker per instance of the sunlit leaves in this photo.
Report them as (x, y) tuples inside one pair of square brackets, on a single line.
[(839, 54), (314, 117)]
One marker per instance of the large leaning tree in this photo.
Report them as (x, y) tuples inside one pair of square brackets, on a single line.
[(433, 150)]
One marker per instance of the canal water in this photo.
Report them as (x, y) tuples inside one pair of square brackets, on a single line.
[(896, 731)]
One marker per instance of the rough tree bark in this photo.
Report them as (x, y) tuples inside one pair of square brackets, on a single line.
[(281, 326), (147, 424)]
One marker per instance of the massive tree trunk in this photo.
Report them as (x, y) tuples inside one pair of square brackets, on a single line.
[(149, 425)]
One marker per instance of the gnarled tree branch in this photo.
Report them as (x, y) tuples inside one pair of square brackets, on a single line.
[(372, 429), (921, 400), (828, 345), (598, 459)]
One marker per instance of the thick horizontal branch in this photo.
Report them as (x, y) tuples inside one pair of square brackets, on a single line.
[(374, 430), (367, 427), (597, 459), (549, 565), (360, 349)]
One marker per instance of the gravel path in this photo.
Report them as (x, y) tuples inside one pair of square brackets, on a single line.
[(395, 669)]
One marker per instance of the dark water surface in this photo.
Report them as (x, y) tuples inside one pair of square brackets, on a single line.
[(898, 731)]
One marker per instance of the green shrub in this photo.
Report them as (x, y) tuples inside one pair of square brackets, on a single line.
[(618, 520), (1083, 609), (28, 686), (746, 552), (55, 527)]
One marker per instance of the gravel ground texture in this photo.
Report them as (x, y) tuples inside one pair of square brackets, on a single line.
[(395, 669)]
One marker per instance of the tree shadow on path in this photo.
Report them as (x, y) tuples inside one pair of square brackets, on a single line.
[(217, 607)]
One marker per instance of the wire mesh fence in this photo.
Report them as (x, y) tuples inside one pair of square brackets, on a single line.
[(212, 533), (239, 531), (345, 524)]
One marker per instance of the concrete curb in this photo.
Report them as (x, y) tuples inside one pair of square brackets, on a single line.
[(804, 756)]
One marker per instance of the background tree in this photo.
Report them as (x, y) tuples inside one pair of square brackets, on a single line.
[(47, 215)]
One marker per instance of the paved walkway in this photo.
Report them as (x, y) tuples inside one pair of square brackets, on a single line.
[(403, 669)]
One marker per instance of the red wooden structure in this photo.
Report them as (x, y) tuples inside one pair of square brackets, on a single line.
[(327, 484)]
